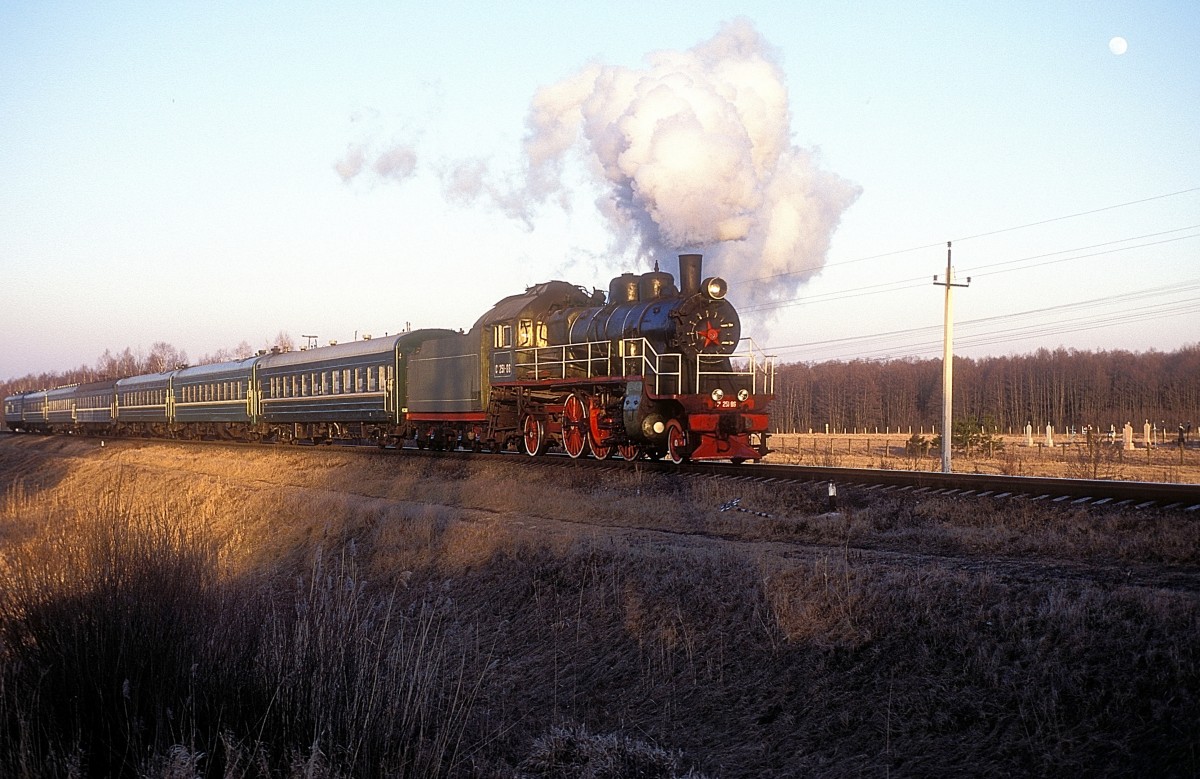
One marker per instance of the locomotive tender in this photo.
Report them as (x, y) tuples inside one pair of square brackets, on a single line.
[(650, 370)]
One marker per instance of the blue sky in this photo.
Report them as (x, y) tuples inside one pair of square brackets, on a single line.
[(179, 172)]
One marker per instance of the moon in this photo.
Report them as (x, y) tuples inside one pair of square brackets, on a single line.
[(1118, 45)]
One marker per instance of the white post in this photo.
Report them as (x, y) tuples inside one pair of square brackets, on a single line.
[(948, 362)]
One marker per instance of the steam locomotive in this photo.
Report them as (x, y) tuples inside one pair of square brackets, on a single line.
[(651, 370)]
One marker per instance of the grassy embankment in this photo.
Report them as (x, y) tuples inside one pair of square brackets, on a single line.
[(175, 611)]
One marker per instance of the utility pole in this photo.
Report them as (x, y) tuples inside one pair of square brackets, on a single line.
[(948, 361)]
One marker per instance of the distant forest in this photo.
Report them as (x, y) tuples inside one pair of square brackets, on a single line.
[(129, 362), (1061, 387)]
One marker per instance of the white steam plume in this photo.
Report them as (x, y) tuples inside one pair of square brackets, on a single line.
[(694, 153), (396, 163)]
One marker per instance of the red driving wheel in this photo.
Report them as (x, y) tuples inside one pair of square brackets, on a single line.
[(676, 442), (575, 426)]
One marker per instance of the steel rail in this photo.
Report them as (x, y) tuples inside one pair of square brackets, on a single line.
[(1093, 491), (1096, 492)]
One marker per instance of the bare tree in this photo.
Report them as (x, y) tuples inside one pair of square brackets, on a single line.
[(164, 357), (283, 342)]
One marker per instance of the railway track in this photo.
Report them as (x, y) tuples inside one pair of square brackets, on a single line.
[(1093, 492), (1088, 492)]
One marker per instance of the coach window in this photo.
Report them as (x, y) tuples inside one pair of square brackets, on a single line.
[(370, 380), (360, 382), (325, 385), (337, 382)]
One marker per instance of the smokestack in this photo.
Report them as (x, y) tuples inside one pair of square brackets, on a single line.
[(691, 267)]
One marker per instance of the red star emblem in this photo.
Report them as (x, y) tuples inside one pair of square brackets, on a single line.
[(710, 334)]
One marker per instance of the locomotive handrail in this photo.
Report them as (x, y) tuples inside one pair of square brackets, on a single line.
[(554, 362), (640, 350), (760, 366)]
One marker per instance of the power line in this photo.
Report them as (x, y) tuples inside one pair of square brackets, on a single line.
[(979, 271), (923, 339), (936, 244), (1081, 213)]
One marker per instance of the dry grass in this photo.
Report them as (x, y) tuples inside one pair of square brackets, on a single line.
[(286, 613)]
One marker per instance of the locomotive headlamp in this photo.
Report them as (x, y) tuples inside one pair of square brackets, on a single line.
[(717, 394), (653, 425), (743, 394), (715, 287)]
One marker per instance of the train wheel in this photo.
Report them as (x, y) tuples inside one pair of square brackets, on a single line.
[(575, 426), (630, 452), (676, 442), (533, 430)]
